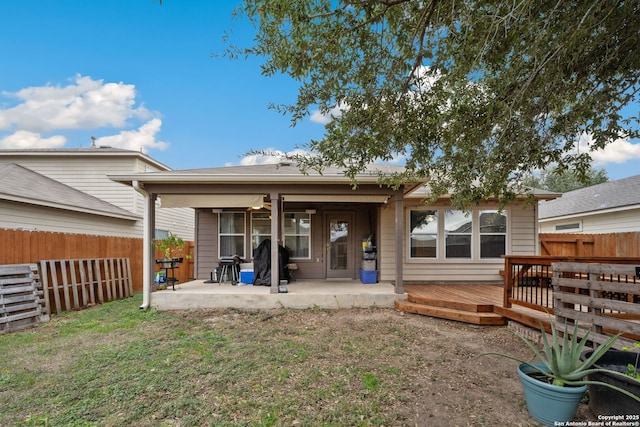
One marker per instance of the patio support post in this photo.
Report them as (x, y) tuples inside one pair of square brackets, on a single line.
[(275, 238), (399, 200)]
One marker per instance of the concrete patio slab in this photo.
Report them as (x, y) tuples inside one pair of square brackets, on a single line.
[(329, 294)]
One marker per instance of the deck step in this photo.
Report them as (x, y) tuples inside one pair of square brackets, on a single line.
[(474, 307), (474, 317)]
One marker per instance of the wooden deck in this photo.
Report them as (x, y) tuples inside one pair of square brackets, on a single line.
[(474, 303)]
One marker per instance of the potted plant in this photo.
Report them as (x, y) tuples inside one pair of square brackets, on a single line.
[(168, 245), (604, 401), (554, 387)]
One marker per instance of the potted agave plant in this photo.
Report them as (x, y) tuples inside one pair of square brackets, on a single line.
[(554, 386)]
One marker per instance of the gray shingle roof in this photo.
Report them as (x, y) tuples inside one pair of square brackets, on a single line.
[(609, 195), (20, 184)]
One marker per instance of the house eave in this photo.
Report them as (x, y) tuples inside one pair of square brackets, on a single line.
[(87, 152), (153, 178), (589, 213)]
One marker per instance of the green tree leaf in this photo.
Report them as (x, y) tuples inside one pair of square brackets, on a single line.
[(475, 95)]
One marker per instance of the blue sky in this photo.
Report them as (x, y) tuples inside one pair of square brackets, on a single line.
[(138, 75)]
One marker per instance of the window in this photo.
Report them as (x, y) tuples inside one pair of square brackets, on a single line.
[(161, 234), (423, 234), (447, 234), (297, 234), (260, 228), (570, 226), (231, 234), (457, 228), (493, 234)]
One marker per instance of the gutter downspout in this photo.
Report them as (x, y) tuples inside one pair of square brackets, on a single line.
[(146, 247)]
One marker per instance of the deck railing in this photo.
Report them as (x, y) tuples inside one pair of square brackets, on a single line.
[(602, 298), (527, 279)]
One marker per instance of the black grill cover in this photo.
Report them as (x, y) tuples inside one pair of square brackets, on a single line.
[(262, 263)]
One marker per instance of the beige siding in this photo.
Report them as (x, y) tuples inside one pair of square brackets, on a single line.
[(179, 221), (520, 240), (206, 257), (89, 174), (522, 228), (31, 217), (611, 222)]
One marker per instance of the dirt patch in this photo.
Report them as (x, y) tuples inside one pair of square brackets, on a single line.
[(445, 378), (115, 365)]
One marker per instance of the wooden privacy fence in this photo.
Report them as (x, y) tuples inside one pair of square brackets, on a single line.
[(590, 245), (72, 284), (604, 298), (29, 247), (19, 298)]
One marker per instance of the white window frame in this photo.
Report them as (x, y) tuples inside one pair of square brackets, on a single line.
[(268, 236), (243, 234), (441, 237), (445, 234), (438, 233), (310, 241), (569, 223), (480, 233)]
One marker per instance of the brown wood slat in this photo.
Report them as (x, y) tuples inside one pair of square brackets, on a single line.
[(475, 298), (19, 300), (472, 303), (451, 314), (80, 280)]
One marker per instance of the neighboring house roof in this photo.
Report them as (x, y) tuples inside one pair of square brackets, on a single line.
[(610, 196), (19, 184), (88, 151)]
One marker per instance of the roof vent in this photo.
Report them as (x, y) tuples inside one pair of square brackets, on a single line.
[(284, 163)]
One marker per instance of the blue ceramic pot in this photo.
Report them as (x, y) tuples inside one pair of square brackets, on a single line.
[(548, 403)]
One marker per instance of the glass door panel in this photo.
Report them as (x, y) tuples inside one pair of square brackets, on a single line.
[(339, 247)]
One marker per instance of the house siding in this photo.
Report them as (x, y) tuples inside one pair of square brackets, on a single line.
[(89, 173), (521, 238), (23, 216), (206, 256), (597, 223), (364, 220)]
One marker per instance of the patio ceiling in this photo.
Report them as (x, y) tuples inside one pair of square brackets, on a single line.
[(211, 200)]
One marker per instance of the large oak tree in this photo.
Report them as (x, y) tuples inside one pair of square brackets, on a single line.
[(473, 94)]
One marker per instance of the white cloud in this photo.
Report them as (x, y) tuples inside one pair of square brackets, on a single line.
[(397, 159), (24, 139), (84, 104), (140, 140), (336, 112), (618, 151)]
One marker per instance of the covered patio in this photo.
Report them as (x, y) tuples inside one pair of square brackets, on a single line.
[(301, 294), (320, 220)]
